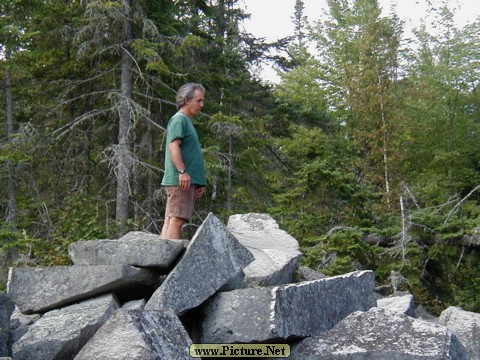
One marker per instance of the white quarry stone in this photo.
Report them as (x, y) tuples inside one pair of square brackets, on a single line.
[(277, 254), (403, 304), (466, 326)]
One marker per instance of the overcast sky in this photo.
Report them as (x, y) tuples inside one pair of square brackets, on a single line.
[(272, 19)]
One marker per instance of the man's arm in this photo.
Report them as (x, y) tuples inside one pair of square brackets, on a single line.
[(176, 156)]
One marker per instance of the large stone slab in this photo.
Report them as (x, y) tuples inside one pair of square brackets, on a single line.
[(466, 326), (380, 334), (40, 289), (276, 253), (60, 334), (136, 248), (213, 257), (6, 309), (287, 311), (403, 304), (139, 335)]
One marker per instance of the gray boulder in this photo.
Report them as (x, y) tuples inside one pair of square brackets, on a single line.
[(20, 323), (60, 334), (276, 253), (6, 309), (423, 313), (287, 311), (40, 289), (380, 334), (403, 304), (307, 274), (18, 320), (213, 257), (136, 248), (466, 326), (138, 335)]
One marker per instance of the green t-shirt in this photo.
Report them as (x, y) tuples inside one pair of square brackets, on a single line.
[(180, 126)]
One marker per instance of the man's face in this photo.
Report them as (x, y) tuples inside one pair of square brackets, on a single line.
[(194, 106)]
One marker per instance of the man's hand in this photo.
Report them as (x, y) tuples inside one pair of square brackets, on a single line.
[(184, 180), (199, 192)]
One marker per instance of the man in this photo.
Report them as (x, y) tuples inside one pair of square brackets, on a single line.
[(184, 178)]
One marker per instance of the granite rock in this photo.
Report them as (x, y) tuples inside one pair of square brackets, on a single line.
[(6, 309), (380, 334), (264, 314), (40, 289), (136, 248), (404, 304), (213, 257), (307, 274), (277, 254), (139, 335), (61, 333), (466, 326)]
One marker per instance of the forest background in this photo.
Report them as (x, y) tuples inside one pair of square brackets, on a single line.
[(366, 151)]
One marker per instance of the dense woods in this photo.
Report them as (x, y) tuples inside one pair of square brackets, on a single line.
[(366, 151)]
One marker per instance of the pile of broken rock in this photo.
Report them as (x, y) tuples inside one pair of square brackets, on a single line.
[(143, 297)]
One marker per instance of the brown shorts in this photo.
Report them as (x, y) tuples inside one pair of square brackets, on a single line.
[(180, 202)]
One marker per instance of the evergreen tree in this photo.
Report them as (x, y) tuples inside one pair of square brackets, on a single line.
[(13, 27), (441, 93), (361, 50)]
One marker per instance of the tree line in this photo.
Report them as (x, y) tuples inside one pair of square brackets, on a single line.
[(368, 134)]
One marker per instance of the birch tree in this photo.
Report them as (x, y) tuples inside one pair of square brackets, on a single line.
[(12, 202), (360, 51)]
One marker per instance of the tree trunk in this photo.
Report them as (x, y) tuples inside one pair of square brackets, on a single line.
[(150, 182), (12, 202), (385, 141), (230, 174), (124, 162)]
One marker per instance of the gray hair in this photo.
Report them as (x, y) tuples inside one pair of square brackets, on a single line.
[(187, 92)]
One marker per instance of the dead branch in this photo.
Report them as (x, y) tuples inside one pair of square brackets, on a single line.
[(456, 207)]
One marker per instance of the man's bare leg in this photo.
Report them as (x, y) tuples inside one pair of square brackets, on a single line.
[(172, 228)]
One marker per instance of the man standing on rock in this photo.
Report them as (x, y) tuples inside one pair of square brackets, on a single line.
[(184, 177)]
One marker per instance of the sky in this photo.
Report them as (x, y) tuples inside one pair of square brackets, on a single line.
[(272, 19)]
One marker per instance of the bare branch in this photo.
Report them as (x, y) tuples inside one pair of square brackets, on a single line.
[(339, 228), (77, 121), (410, 193), (456, 207)]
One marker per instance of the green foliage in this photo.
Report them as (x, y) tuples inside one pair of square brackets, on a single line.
[(320, 191), (83, 217), (467, 281), (21, 249), (348, 250)]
